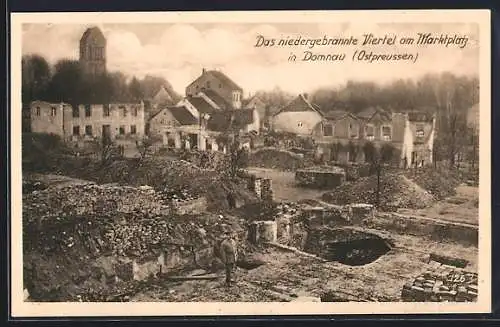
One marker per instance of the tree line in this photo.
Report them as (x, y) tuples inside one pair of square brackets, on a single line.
[(66, 82), (431, 92)]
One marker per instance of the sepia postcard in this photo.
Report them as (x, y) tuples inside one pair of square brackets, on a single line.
[(250, 163)]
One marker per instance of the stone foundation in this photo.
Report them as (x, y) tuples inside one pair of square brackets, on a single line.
[(362, 212), (320, 178), (190, 207), (332, 216), (263, 231), (421, 226)]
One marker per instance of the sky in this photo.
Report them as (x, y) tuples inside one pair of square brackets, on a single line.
[(179, 52)]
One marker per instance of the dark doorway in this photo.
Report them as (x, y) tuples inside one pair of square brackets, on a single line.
[(193, 140), (106, 133)]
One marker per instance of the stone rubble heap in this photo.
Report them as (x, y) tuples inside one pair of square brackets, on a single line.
[(442, 283), (103, 218), (88, 199), (396, 191)]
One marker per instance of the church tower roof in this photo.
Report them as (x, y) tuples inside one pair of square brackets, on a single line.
[(93, 35)]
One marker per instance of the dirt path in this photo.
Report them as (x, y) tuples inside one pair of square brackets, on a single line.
[(460, 208)]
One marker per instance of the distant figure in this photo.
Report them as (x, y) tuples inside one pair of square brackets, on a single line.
[(231, 200), (228, 255)]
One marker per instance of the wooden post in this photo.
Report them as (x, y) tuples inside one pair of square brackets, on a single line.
[(378, 183)]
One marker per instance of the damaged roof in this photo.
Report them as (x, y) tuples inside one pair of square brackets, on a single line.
[(223, 121), (183, 115), (226, 82), (219, 100), (299, 104), (370, 112), (336, 114), (420, 117), (201, 105)]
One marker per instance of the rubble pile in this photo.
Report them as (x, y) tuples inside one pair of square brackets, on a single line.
[(31, 186), (159, 173), (396, 191), (67, 226), (288, 208), (442, 283), (121, 219), (276, 159), (356, 171), (91, 199), (440, 183)]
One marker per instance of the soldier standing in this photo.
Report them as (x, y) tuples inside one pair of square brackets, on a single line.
[(228, 256)]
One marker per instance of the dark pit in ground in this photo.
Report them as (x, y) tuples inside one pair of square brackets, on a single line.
[(346, 245), (358, 252)]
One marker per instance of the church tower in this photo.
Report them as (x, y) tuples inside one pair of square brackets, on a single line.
[(93, 52)]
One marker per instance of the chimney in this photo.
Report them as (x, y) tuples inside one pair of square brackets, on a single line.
[(203, 71)]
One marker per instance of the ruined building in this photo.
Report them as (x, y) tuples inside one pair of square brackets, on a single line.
[(213, 106), (87, 122)]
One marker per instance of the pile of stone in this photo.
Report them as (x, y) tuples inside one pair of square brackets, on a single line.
[(440, 183), (356, 171), (105, 218), (396, 191), (287, 208), (442, 283), (91, 199)]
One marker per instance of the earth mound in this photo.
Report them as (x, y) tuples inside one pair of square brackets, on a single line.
[(396, 191)]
